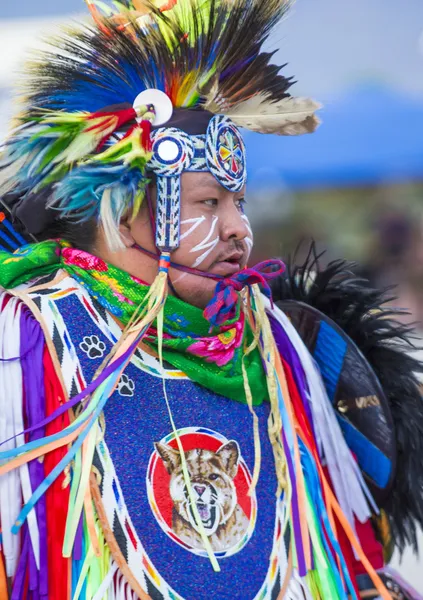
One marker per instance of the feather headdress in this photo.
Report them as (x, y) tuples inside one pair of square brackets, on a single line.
[(203, 54)]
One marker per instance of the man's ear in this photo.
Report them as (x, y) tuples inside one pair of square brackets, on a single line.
[(126, 233)]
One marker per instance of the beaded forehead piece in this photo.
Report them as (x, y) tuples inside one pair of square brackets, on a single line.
[(72, 158)]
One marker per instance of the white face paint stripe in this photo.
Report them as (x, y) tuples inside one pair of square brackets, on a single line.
[(196, 222), (205, 243), (182, 276), (249, 238), (200, 259), (247, 224)]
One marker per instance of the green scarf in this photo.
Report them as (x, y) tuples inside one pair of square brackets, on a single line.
[(213, 360)]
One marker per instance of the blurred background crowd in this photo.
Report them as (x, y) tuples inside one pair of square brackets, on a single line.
[(355, 186)]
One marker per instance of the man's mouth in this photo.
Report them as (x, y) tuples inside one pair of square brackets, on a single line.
[(228, 265)]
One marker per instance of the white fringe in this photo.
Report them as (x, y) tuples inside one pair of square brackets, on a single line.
[(17, 482), (297, 588), (106, 583)]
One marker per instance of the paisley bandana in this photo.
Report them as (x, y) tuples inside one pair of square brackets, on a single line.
[(213, 360)]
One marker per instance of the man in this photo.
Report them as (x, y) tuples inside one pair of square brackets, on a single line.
[(179, 441)]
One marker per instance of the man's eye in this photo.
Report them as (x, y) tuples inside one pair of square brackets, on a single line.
[(241, 202), (210, 202), (213, 477)]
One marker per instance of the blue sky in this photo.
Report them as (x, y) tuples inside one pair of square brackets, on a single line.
[(38, 8)]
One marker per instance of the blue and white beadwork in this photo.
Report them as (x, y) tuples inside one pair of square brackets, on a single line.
[(173, 152), (168, 218), (221, 152), (225, 153)]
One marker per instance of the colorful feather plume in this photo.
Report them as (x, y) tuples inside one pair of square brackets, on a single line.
[(78, 134), (57, 154), (201, 53), (179, 52), (109, 184)]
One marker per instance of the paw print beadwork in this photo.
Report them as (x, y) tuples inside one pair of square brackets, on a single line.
[(126, 386), (93, 347)]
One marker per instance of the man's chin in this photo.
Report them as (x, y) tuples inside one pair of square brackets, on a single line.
[(193, 289), (226, 268)]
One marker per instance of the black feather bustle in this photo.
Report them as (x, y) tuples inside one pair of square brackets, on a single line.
[(386, 343)]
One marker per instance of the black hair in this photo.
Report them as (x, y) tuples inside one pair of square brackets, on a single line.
[(36, 222), (81, 235)]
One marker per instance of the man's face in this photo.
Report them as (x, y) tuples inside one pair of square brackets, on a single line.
[(215, 236)]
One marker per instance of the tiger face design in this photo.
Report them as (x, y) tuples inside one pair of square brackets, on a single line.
[(211, 475)]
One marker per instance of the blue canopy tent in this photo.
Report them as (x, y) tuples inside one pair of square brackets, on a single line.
[(370, 135)]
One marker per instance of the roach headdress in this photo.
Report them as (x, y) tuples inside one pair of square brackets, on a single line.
[(147, 88)]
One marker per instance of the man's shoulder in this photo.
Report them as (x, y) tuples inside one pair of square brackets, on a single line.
[(38, 295)]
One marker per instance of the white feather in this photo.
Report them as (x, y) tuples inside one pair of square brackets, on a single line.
[(9, 175), (110, 221), (289, 116)]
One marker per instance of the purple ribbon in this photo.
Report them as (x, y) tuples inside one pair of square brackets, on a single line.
[(287, 350), (32, 349)]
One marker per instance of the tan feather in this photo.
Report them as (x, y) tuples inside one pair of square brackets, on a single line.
[(210, 92), (289, 116)]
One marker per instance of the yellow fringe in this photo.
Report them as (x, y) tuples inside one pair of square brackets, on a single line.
[(249, 398), (275, 420)]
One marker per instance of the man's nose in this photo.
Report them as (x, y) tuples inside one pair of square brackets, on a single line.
[(233, 226)]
